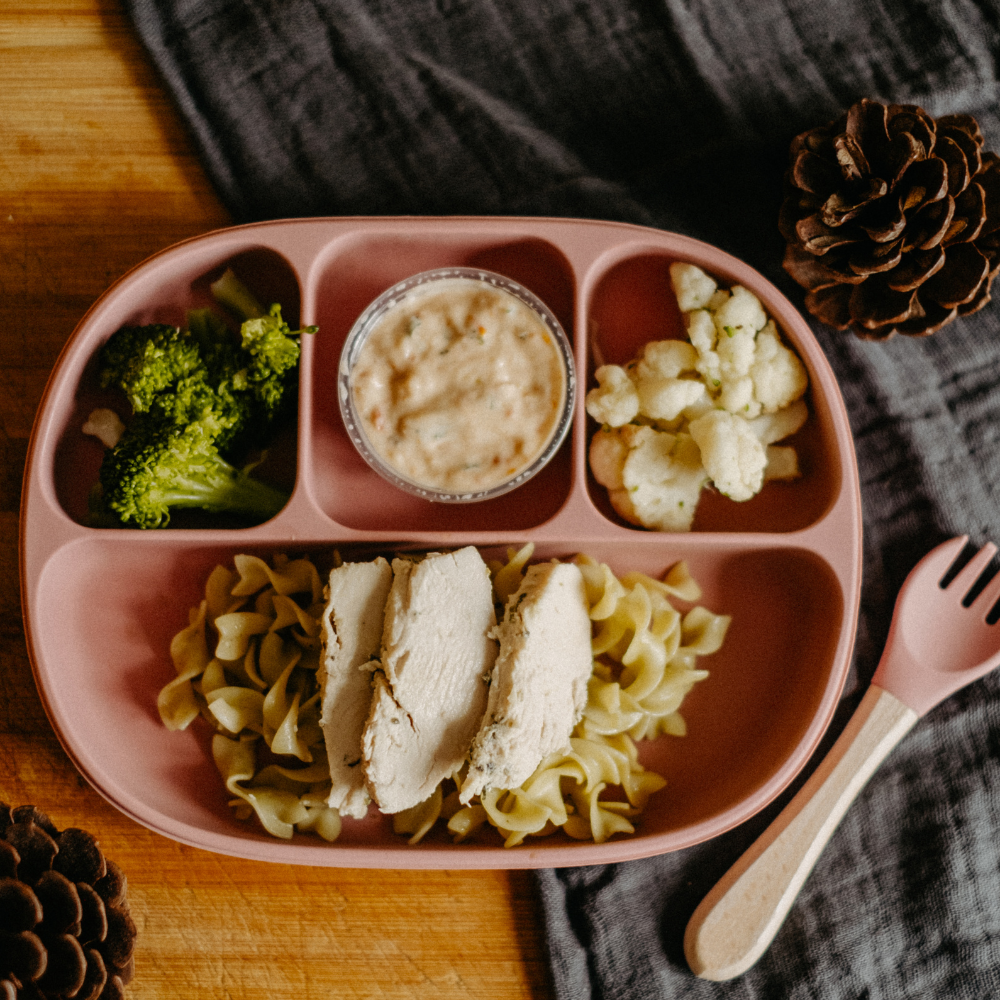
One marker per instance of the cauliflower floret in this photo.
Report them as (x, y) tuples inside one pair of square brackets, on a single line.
[(608, 452), (615, 402), (692, 286), (742, 360), (736, 349), (662, 480), (697, 409), (779, 377), (731, 453), (771, 427), (663, 394), (736, 396), (740, 313), (667, 358), (718, 300), (701, 332), (707, 409), (736, 352), (737, 321), (665, 398)]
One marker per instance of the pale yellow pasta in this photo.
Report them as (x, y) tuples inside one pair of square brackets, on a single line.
[(657, 649), (282, 799), (418, 819), (320, 818), (236, 629), (285, 576), (703, 632), (677, 582), (595, 819), (507, 576), (604, 589), (237, 708), (247, 662), (465, 820), (177, 702), (219, 593)]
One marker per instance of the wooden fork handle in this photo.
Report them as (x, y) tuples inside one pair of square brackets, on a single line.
[(734, 924)]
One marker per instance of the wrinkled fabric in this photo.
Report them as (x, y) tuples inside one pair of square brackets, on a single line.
[(676, 115)]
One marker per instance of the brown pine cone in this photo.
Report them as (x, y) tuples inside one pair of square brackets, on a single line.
[(65, 927), (892, 219)]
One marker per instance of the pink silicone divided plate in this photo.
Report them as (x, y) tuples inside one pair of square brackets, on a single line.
[(102, 604)]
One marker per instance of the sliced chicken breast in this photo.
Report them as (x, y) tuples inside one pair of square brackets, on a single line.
[(538, 689), (430, 694), (351, 629)]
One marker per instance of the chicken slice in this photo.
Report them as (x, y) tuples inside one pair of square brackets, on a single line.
[(430, 694), (351, 629), (539, 686)]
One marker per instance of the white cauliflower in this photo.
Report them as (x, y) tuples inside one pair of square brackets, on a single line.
[(779, 377), (666, 398), (706, 410), (746, 368), (615, 402), (692, 286), (732, 454), (662, 478), (771, 427), (701, 332), (608, 452), (740, 312), (667, 359), (659, 377)]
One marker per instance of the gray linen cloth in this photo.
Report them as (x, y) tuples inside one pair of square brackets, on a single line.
[(675, 114)]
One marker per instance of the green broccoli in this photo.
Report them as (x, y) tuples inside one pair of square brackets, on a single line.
[(157, 466), (274, 353), (199, 396), (266, 337), (180, 377), (143, 361)]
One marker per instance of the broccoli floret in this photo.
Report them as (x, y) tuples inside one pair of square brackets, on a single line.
[(143, 361), (274, 357), (202, 400), (158, 466), (182, 375)]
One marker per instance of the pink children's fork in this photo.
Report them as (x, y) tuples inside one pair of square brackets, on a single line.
[(936, 645)]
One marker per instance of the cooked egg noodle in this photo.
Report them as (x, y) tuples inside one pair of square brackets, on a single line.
[(247, 662)]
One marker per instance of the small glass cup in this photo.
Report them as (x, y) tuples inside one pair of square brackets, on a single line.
[(391, 298)]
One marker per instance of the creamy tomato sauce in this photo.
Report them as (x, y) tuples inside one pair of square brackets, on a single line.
[(460, 386)]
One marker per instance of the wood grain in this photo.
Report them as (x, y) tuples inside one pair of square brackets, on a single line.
[(96, 174)]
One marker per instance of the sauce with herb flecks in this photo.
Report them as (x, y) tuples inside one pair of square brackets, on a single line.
[(460, 386)]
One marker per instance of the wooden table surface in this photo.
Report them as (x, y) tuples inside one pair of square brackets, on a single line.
[(96, 174)]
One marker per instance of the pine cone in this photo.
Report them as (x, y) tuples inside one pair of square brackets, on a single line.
[(892, 219), (65, 928)]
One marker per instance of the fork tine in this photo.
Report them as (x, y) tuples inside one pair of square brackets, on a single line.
[(965, 580), (989, 595)]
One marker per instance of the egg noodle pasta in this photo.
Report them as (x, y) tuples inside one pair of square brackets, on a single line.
[(247, 663)]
